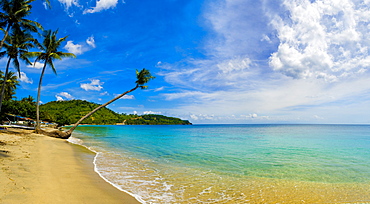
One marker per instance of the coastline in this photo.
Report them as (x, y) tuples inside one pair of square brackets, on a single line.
[(41, 169)]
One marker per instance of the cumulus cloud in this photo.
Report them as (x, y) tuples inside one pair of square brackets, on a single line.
[(37, 65), (62, 96), (102, 5), (25, 79), (73, 48), (90, 41), (94, 85), (59, 98), (78, 49), (322, 39)]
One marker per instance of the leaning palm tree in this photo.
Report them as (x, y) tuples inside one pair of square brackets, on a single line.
[(16, 45), (143, 77), (13, 17), (49, 52)]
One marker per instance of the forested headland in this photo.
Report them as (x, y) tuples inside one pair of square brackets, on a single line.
[(69, 112)]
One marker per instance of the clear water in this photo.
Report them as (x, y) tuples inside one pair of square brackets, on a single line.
[(234, 163)]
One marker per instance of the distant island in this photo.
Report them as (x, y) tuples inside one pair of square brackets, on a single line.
[(69, 112)]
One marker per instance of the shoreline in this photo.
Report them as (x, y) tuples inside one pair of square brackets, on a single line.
[(41, 169)]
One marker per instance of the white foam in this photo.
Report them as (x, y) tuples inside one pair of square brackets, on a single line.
[(80, 142), (137, 197), (74, 140)]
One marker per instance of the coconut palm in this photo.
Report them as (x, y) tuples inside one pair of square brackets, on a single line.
[(10, 85), (29, 99), (49, 52), (16, 46), (143, 77), (13, 17)]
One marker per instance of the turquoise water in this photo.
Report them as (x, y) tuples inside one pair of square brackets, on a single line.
[(225, 163)]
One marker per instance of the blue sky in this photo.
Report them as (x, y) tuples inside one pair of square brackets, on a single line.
[(219, 61)]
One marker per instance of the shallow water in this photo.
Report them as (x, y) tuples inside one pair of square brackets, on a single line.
[(234, 163)]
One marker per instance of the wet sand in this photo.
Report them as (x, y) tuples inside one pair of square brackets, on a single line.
[(41, 169)]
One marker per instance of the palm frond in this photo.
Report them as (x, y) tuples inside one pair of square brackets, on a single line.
[(143, 77), (16, 65)]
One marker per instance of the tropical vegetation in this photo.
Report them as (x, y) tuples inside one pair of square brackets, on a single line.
[(16, 46), (68, 112), (11, 84)]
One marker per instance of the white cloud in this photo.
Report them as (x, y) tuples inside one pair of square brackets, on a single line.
[(25, 79), (62, 96), (322, 39), (78, 49), (128, 97), (105, 93), (66, 95), (59, 98), (253, 115), (151, 112), (125, 96), (233, 65), (37, 65), (159, 89), (69, 3), (90, 41), (73, 48), (102, 5), (94, 85)]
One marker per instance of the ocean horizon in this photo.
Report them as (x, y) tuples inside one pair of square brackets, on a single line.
[(233, 163)]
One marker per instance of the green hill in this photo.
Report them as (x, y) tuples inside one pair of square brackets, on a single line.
[(69, 112)]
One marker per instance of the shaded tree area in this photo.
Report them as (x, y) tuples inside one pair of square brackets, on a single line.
[(25, 107)]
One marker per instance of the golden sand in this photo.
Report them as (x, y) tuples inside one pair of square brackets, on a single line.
[(41, 169)]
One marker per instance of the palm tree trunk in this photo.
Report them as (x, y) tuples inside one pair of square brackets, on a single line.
[(69, 132), (5, 36), (38, 100), (4, 83)]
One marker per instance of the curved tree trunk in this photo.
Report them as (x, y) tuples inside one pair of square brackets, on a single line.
[(38, 100), (69, 132), (4, 83), (5, 36)]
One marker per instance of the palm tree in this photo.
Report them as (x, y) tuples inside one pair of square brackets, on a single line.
[(13, 17), (49, 52), (10, 85), (143, 77), (29, 99), (16, 45)]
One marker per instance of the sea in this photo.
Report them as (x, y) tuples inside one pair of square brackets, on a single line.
[(233, 163)]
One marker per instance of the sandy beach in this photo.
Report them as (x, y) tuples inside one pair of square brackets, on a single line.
[(41, 169)]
